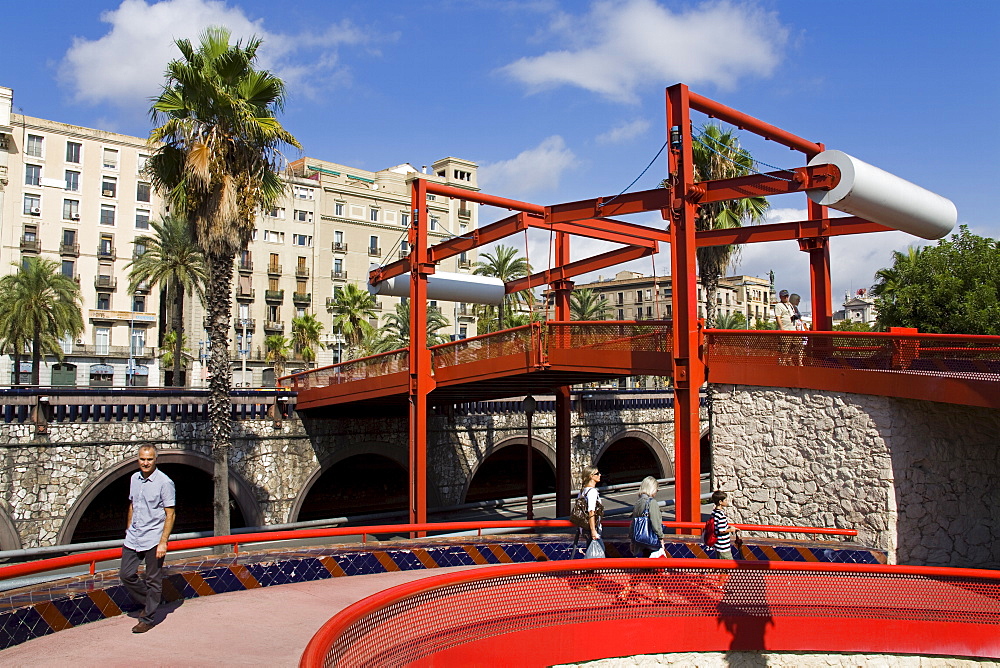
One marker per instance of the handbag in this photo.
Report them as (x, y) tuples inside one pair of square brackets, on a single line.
[(642, 530), (579, 515), (595, 550)]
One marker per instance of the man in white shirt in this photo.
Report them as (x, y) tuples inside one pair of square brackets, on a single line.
[(784, 314)]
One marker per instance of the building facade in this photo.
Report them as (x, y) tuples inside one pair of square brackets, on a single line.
[(78, 196)]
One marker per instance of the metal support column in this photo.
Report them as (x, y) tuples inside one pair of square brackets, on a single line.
[(564, 474), (421, 380), (688, 364)]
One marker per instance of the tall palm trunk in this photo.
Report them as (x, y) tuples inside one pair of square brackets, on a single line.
[(17, 365), (220, 276), (177, 324), (36, 358)]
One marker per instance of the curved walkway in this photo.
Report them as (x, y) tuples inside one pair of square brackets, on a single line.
[(269, 626)]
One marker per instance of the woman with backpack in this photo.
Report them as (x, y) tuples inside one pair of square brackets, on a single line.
[(646, 506)]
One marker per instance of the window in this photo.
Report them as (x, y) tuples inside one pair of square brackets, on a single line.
[(434, 223), (649, 295), (107, 214), (102, 339), (72, 181), (138, 303), (404, 219), (273, 312), (302, 240), (142, 192), (103, 301), (463, 332), (373, 245), (273, 236), (373, 215), (638, 296), (34, 146), (32, 205), (30, 233), (338, 238), (244, 311), (106, 245), (303, 193), (621, 314), (71, 209), (277, 212), (73, 151), (141, 219), (109, 186), (69, 237), (138, 341), (301, 286), (621, 299), (138, 249), (110, 158), (141, 162), (338, 265), (32, 175), (338, 209), (68, 267), (303, 216)]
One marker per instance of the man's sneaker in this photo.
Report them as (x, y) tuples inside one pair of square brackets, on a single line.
[(141, 627)]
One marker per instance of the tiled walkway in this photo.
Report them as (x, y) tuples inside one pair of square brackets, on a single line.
[(260, 627)]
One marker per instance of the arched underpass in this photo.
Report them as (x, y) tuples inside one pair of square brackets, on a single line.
[(105, 517), (357, 485), (503, 474), (628, 459)]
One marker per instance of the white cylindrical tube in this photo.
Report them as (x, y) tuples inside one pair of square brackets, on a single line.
[(446, 286), (876, 195)]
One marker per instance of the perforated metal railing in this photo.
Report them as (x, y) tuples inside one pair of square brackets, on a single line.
[(962, 356), (345, 372), (834, 607), (638, 336), (487, 346)]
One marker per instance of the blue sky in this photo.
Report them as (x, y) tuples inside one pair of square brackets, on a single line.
[(563, 100)]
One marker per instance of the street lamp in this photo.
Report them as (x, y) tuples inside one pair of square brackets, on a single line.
[(529, 404)]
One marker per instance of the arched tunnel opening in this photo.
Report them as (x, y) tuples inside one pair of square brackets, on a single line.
[(357, 485), (503, 474), (628, 460), (106, 516)]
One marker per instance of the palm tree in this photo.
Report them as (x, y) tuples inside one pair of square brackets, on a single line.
[(396, 330), (505, 264), (217, 163), (585, 304), (169, 349), (718, 155), (38, 306), (352, 310), (731, 321), (173, 261), (278, 351), (305, 336)]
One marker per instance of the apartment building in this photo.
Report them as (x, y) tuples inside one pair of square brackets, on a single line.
[(631, 295), (78, 196)]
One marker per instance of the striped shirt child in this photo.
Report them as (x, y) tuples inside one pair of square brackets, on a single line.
[(725, 540)]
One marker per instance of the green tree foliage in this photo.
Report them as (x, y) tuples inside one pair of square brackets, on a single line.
[(731, 321), (585, 304), (848, 326), (950, 288), (506, 264), (765, 323), (277, 350), (306, 330), (38, 306), (173, 261), (352, 309), (718, 155), (170, 348), (395, 333), (219, 163)]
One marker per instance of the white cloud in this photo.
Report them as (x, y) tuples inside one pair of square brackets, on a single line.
[(624, 132), (534, 170), (125, 67), (619, 46)]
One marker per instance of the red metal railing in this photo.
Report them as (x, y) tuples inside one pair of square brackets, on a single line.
[(538, 614), (637, 336), (521, 339), (362, 368), (234, 541)]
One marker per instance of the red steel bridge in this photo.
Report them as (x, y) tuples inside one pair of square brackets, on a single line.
[(552, 356)]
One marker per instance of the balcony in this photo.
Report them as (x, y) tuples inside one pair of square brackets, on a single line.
[(331, 302), (69, 249), (301, 271), (106, 253), (301, 297), (246, 267), (465, 213), (246, 294), (339, 247), (274, 295), (464, 264), (274, 325), (374, 251), (106, 282), (143, 286), (274, 269), (241, 324), (121, 352), (403, 254), (338, 275), (31, 245)]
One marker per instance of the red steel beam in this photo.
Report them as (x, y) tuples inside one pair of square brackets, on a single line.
[(824, 227), (607, 229), (746, 122), (781, 182), (564, 476), (637, 202), (587, 265), (483, 198), (421, 378)]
